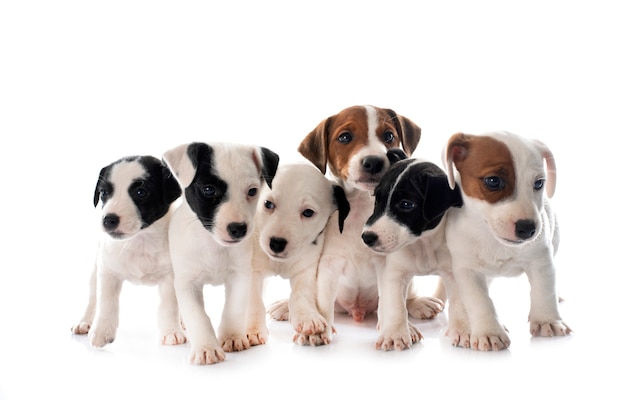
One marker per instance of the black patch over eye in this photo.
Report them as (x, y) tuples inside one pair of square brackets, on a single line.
[(269, 205), (494, 183), (538, 185), (308, 213), (388, 137), (345, 138), (252, 192)]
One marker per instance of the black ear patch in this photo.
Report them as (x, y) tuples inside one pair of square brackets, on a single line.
[(103, 186), (343, 206), (270, 165)]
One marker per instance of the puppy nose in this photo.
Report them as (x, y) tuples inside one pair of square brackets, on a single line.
[(110, 222), (278, 244), (237, 230), (525, 229), (373, 165), (370, 238)]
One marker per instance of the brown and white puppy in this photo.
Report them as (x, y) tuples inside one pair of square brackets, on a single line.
[(352, 145), (210, 238), (291, 222), (506, 227), (137, 195)]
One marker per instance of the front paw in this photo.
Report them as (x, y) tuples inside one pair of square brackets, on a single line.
[(257, 336), (279, 310), (549, 329), (424, 307), (459, 334), (398, 339), (309, 323), (100, 336), (317, 339), (207, 355), (173, 338), (81, 328), (235, 343), (496, 339)]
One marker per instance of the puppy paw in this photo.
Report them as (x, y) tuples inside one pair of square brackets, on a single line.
[(488, 341), (256, 337), (399, 339), (317, 339), (173, 338), (309, 324), (81, 328), (459, 334), (235, 343), (101, 336), (279, 310), (424, 307), (207, 355), (548, 329)]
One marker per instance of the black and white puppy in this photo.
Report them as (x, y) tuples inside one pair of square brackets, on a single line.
[(407, 225), (210, 238), (137, 194)]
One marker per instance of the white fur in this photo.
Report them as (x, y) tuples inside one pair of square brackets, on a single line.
[(483, 245)]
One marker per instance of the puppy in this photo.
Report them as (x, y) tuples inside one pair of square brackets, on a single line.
[(290, 231), (506, 227), (408, 225), (137, 195), (210, 238), (353, 146)]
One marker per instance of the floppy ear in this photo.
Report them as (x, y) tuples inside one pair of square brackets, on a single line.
[(454, 153), (96, 195), (408, 130), (439, 197), (179, 163), (171, 188), (269, 165), (314, 147), (550, 167), (343, 206), (396, 154)]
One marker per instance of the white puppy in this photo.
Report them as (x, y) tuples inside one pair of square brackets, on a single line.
[(506, 227), (210, 238), (137, 195), (290, 232)]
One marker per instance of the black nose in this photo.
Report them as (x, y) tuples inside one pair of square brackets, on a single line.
[(370, 238), (278, 244), (110, 222), (237, 230), (373, 165), (525, 229)]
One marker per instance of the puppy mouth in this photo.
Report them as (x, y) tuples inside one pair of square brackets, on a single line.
[(117, 235)]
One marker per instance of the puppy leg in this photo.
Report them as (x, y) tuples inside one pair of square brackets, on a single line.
[(257, 327), (205, 349), (168, 316), (107, 311), (82, 327), (304, 315), (329, 270), (458, 324), (544, 316), (422, 307), (395, 329), (232, 330)]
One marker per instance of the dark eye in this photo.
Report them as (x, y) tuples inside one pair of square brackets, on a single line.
[(539, 184), (252, 192), (308, 213), (209, 191), (269, 205), (104, 193), (345, 138), (406, 205), (142, 193), (388, 137), (494, 183)]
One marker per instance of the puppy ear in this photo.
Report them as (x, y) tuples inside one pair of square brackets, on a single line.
[(438, 196), (396, 154), (179, 163), (550, 167), (269, 165), (455, 152), (314, 147), (408, 130), (96, 195), (343, 206), (171, 188)]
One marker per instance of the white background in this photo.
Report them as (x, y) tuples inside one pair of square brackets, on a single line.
[(83, 83)]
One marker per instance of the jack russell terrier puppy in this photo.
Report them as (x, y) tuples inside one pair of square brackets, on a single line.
[(291, 223), (353, 146), (210, 238), (408, 225), (137, 194), (506, 227)]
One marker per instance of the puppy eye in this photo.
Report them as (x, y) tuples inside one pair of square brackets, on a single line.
[(269, 205), (252, 192), (308, 213), (345, 138), (406, 205), (209, 191), (538, 185), (142, 193), (494, 183), (388, 137)]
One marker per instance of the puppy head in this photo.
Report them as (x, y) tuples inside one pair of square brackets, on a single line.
[(221, 184), (353, 144), (135, 192), (295, 211), (503, 179), (411, 200)]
